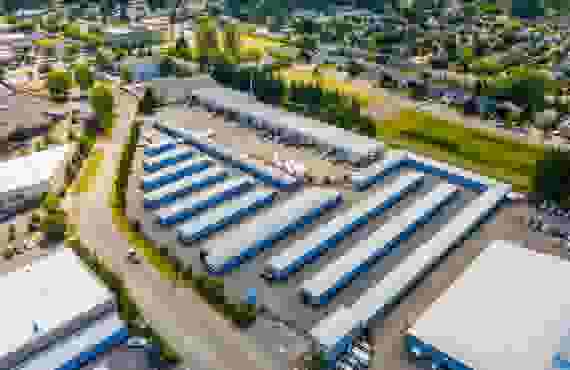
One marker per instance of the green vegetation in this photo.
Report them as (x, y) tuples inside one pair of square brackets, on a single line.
[(59, 83), (88, 172), (84, 76), (475, 149), (149, 102), (103, 104), (551, 179)]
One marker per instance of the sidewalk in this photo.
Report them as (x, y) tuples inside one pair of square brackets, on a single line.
[(197, 332)]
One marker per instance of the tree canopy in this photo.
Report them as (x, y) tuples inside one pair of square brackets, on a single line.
[(551, 180)]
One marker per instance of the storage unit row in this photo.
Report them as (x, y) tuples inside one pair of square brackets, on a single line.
[(186, 185), (230, 212), (191, 205), (336, 331), (263, 231), (327, 237), (171, 174), (166, 159), (159, 148), (335, 276)]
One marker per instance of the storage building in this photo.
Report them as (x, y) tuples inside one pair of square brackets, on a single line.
[(24, 180), (159, 148), (171, 174), (336, 339), (42, 328), (324, 238), (263, 231), (186, 185), (325, 284), (504, 312), (193, 204), (230, 212), (166, 159), (347, 145)]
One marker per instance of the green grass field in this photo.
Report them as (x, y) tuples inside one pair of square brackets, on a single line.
[(475, 149)]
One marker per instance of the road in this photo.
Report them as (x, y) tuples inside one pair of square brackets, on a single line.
[(203, 338)]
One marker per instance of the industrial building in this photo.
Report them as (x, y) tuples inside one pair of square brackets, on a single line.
[(167, 158), (193, 204), (44, 327), (24, 180), (323, 286), (263, 231), (336, 332), (322, 239), (230, 212), (505, 311), (347, 145)]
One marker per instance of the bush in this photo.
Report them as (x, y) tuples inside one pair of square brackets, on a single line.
[(8, 253)]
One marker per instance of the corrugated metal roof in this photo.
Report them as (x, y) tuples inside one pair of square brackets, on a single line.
[(365, 249), (301, 247), (173, 169), (175, 153), (263, 226), (184, 182)]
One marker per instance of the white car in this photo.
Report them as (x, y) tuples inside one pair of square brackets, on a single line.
[(137, 342)]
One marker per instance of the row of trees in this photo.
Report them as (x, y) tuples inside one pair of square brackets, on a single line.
[(307, 98), (551, 180)]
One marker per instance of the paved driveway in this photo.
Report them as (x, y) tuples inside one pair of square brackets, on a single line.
[(203, 338)]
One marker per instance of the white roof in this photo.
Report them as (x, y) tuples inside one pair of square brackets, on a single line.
[(170, 154), (505, 312), (42, 295), (169, 170), (184, 182), (30, 170), (364, 250)]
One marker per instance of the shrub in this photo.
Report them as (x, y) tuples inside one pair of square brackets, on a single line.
[(8, 253)]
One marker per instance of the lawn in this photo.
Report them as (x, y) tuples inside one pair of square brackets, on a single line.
[(331, 83), (475, 149), (88, 173), (49, 42), (258, 43)]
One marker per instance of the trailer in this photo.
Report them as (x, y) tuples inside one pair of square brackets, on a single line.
[(262, 231), (153, 150), (327, 237), (167, 159), (171, 174), (190, 206), (324, 285), (184, 186), (336, 338), (375, 173), (226, 214)]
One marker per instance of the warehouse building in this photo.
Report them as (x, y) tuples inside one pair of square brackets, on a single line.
[(42, 328), (24, 180), (505, 312), (345, 144), (336, 332)]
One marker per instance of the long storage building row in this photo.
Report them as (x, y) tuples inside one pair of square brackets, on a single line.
[(324, 238), (228, 213), (268, 175), (263, 231), (396, 159), (167, 158), (159, 148), (190, 206), (335, 332), (186, 185), (174, 173), (325, 284)]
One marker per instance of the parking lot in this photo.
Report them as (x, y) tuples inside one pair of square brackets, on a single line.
[(282, 298)]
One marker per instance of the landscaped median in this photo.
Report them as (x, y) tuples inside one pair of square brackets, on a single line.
[(88, 172), (476, 149), (170, 267)]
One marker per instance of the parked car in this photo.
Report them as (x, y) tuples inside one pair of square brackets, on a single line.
[(137, 342)]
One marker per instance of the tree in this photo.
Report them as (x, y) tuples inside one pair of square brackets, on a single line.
[(206, 36), (126, 74), (149, 102), (354, 69), (231, 36), (84, 76), (11, 233), (551, 179), (59, 83), (167, 66), (315, 361), (467, 55), (528, 8), (181, 43), (233, 7), (103, 103), (2, 73)]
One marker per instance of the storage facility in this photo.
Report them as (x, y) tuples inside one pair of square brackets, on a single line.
[(169, 193), (347, 145), (336, 332), (267, 174), (263, 231), (504, 312), (174, 173), (195, 203), (325, 284), (167, 158), (42, 328), (24, 180), (230, 212), (324, 238)]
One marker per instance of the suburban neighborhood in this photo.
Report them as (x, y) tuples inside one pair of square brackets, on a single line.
[(332, 185)]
